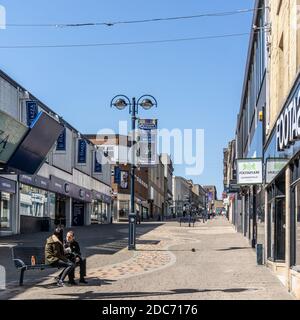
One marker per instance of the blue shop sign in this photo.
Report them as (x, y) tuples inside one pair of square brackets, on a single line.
[(117, 175), (32, 111)]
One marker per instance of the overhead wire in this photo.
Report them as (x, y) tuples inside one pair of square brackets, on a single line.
[(124, 43), (110, 24)]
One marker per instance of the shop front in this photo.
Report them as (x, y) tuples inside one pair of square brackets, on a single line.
[(282, 156), (35, 203), (46, 203), (101, 208), (72, 203), (7, 200)]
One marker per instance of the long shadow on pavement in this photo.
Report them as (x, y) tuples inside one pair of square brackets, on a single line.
[(94, 239), (235, 248), (117, 295)]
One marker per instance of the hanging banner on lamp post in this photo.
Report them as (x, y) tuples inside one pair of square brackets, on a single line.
[(249, 171), (147, 142)]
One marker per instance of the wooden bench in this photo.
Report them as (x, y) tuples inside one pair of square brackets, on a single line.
[(22, 260)]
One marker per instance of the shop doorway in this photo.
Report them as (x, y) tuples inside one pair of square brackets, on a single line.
[(60, 211), (276, 232), (78, 214)]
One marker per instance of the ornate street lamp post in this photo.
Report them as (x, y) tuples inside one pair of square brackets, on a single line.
[(121, 102)]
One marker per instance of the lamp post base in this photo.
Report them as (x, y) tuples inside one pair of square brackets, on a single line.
[(132, 232)]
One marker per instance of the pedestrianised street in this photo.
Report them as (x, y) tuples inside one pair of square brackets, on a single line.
[(208, 261)]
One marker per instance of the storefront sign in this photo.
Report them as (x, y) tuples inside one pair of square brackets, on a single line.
[(147, 142), (101, 197), (61, 141), (36, 181), (71, 190), (233, 188), (59, 186), (288, 124), (273, 168), (88, 196), (82, 149), (249, 171), (34, 148), (12, 133), (67, 188), (7, 185), (32, 111)]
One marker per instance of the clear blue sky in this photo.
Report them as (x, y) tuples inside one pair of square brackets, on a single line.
[(197, 84)]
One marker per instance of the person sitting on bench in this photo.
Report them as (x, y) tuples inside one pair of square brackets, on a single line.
[(55, 256), (72, 250)]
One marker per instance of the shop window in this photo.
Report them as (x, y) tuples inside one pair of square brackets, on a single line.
[(5, 210), (33, 202), (123, 209), (52, 202), (99, 212)]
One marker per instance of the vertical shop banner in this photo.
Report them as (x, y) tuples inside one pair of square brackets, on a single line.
[(32, 111), (82, 149), (117, 175), (97, 166), (124, 178), (147, 142), (61, 141)]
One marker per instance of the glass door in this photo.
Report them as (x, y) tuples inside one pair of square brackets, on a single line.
[(280, 229)]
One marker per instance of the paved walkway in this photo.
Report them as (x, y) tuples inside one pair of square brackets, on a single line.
[(210, 261)]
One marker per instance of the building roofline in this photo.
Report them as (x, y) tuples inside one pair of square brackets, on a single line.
[(15, 84), (248, 62)]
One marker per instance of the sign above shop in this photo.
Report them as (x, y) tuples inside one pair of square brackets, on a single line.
[(33, 150), (35, 181), (273, 168), (249, 171), (288, 124), (7, 185), (12, 133)]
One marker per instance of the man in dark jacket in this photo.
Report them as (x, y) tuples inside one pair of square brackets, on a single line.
[(72, 249), (55, 256)]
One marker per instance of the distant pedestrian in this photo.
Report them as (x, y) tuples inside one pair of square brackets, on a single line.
[(138, 217)]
